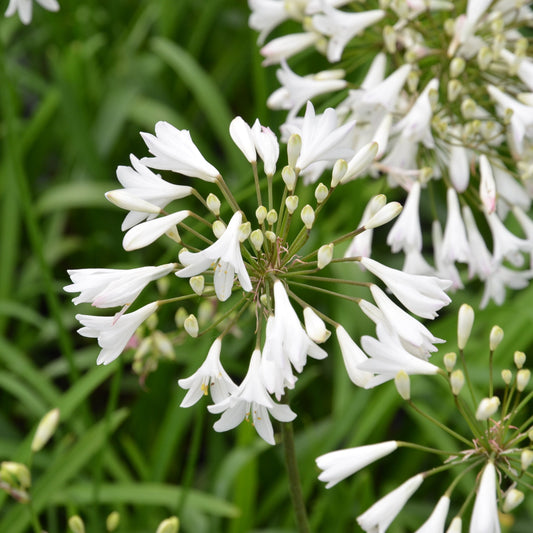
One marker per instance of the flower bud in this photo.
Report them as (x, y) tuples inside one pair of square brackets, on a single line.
[(464, 325), (384, 215), (272, 217), (339, 170), (123, 199), (271, 236), (487, 407), (315, 327), (519, 359), (257, 239), (289, 177), (457, 67), (218, 228), (308, 216), (180, 316), (526, 458), (191, 326), (496, 336), (321, 193), (75, 523), (197, 284), (170, 525), (520, 47), (454, 89), (433, 97), (360, 161), (468, 108), (112, 521), (294, 147), (15, 474), (213, 204), (403, 384), (457, 380), (484, 57), (45, 430), (264, 299), (522, 378), (449, 361), (244, 231), (487, 186), (325, 255), (389, 38), (261, 213), (449, 27), (291, 203), (412, 80), (513, 499), (507, 376), (456, 525), (498, 43), (205, 312)]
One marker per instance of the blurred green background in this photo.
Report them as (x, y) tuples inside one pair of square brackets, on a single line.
[(77, 86)]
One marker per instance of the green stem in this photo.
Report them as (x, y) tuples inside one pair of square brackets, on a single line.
[(295, 486), (227, 194), (256, 182), (467, 377)]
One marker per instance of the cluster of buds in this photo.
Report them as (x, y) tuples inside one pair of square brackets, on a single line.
[(256, 263), (447, 95), (498, 446)]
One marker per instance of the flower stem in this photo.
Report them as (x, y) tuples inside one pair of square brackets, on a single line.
[(295, 486)]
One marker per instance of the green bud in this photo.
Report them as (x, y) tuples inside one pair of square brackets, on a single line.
[(522, 378), (457, 67), (271, 236), (526, 458), (454, 90), (519, 359), (325, 255), (294, 147), (272, 217), (291, 203), (75, 523), (403, 384), (496, 336), (457, 380), (321, 193), (487, 407), (218, 228), (449, 361), (339, 170), (170, 525), (197, 284), (191, 326), (507, 376), (213, 204), (46, 428), (257, 239), (244, 231), (389, 38), (308, 216), (513, 499), (289, 177), (261, 213), (112, 521), (15, 474)]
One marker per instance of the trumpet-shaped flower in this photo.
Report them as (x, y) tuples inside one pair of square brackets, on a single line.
[(251, 398), (485, 513), (437, 520), (353, 356), (406, 233), (113, 333), (225, 256), (209, 377)]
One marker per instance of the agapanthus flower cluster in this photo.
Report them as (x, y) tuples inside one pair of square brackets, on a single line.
[(493, 438), (24, 8), (252, 262), (446, 91)]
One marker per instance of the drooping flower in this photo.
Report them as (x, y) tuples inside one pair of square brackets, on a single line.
[(485, 513)]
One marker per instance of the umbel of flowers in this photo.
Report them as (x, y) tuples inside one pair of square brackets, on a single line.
[(255, 265), (446, 89), (497, 447)]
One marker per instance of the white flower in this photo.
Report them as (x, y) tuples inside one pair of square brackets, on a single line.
[(437, 520), (479, 261), (225, 255), (113, 333), (108, 287), (241, 135), (340, 464), (487, 186), (459, 167), (146, 233), (485, 513), (140, 182), (24, 8), (286, 46), (501, 277), (362, 243), (406, 233), (267, 146), (378, 517), (525, 66), (444, 269), (352, 356), (315, 326), (341, 27), (422, 295), (387, 357), (251, 397), (174, 150), (266, 15), (210, 376), (454, 246)]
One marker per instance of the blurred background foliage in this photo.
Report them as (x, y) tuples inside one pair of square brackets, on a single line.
[(77, 86)]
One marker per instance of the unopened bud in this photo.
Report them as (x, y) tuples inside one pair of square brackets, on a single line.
[(507, 376), (180, 316), (75, 523), (14, 474), (360, 161), (487, 407), (339, 170), (507, 115), (272, 217), (321, 193), (45, 429), (484, 57), (468, 108), (205, 312), (191, 326), (257, 239), (526, 458), (170, 525), (433, 97), (325, 255), (291, 203), (308, 216), (244, 231), (449, 361), (403, 384), (112, 521), (522, 378), (454, 89), (389, 38), (520, 47), (457, 380), (289, 177), (271, 236), (264, 299), (261, 213), (294, 147), (496, 336), (519, 359), (464, 325), (449, 27), (457, 67), (384, 215), (315, 327), (410, 56), (197, 284), (412, 80), (513, 499), (213, 204), (218, 228), (498, 42)]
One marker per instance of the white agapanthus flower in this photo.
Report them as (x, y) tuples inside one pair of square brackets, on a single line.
[(353, 356), (406, 233), (24, 8), (437, 519), (485, 513)]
